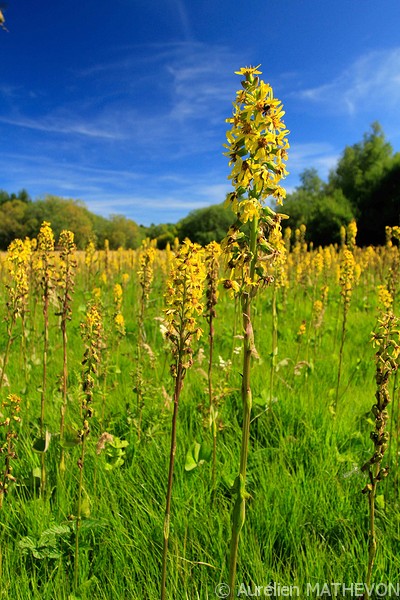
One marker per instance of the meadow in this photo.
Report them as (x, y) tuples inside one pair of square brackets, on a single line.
[(87, 400)]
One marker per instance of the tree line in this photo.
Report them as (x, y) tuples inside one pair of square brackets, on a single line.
[(364, 185), (21, 217)]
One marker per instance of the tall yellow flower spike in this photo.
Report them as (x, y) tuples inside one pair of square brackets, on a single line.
[(257, 142), (257, 150)]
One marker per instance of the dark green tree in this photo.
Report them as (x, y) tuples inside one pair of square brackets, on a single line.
[(363, 174), (322, 211), (205, 225)]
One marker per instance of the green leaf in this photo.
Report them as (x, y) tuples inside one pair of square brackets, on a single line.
[(197, 455), (55, 530), (41, 444), (118, 443), (117, 462), (205, 452), (36, 473), (380, 501), (192, 457), (27, 543)]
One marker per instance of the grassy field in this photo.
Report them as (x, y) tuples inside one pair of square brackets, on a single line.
[(306, 517)]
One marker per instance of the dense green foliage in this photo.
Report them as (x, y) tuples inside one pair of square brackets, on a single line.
[(21, 217), (365, 185), (206, 224)]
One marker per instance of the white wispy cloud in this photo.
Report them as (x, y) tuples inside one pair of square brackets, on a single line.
[(372, 82), (107, 191), (69, 126), (320, 155)]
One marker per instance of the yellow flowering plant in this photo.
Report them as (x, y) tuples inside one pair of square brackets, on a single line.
[(10, 410), (46, 274), (184, 304), (257, 150), (386, 341), (91, 329), (146, 258), (346, 281), (18, 259), (66, 283)]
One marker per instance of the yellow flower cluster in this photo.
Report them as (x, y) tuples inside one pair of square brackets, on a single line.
[(45, 239), (11, 406), (67, 243), (302, 329), (279, 264), (68, 262), (317, 264), (385, 298), (119, 320), (392, 233), (257, 145), (18, 259), (44, 266), (92, 326), (213, 252), (92, 335), (147, 256), (90, 251), (10, 409), (118, 294), (351, 235), (184, 299), (346, 274), (119, 323)]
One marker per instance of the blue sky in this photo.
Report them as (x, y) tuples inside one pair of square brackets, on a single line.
[(122, 104)]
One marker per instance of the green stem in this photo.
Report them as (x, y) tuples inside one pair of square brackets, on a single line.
[(239, 510), (44, 384), (78, 516), (177, 391), (64, 392), (371, 532), (345, 309), (274, 343), (6, 352)]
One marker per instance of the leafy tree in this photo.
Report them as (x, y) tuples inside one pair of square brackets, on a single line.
[(62, 214), (123, 232), (363, 174), (164, 233), (205, 225), (12, 218), (322, 212)]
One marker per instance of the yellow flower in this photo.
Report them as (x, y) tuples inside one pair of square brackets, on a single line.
[(248, 71), (385, 298), (346, 274), (96, 292), (250, 209), (45, 240), (89, 253), (351, 234), (257, 144), (184, 295), (119, 322), (302, 329)]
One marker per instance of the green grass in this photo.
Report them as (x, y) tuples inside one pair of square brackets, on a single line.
[(306, 521)]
